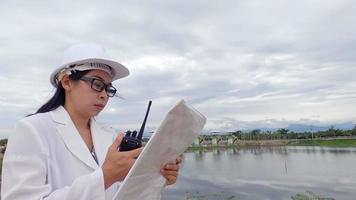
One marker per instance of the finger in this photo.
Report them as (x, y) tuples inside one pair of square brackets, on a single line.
[(170, 176), (166, 173), (171, 167), (170, 180), (179, 159), (115, 145), (135, 153)]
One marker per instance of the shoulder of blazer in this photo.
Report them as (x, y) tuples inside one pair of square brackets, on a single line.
[(37, 120), (46, 117), (43, 124), (35, 117), (33, 130)]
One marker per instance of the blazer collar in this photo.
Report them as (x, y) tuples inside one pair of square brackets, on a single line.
[(74, 142)]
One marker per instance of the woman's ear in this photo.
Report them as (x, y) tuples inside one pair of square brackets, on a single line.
[(66, 83)]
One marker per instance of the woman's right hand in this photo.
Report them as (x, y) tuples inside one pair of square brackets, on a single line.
[(117, 164)]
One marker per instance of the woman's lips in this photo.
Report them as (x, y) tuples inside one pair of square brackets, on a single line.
[(99, 106)]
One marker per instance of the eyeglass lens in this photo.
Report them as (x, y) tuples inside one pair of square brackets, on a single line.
[(99, 86)]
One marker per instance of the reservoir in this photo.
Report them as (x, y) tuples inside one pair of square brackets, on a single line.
[(273, 173)]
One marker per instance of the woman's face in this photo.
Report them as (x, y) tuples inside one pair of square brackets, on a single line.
[(85, 100)]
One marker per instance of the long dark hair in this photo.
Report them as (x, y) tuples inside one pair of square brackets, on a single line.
[(58, 98)]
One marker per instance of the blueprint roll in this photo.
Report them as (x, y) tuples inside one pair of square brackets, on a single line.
[(178, 130)]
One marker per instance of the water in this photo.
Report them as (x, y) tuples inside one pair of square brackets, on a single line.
[(266, 173)]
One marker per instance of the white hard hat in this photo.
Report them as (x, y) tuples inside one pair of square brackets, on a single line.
[(88, 54)]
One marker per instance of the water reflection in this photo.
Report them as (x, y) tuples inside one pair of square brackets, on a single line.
[(267, 173), (198, 154), (216, 152), (232, 151)]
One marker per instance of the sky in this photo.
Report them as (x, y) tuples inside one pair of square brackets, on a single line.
[(244, 64)]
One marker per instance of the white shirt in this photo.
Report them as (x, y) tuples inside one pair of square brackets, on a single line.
[(46, 158)]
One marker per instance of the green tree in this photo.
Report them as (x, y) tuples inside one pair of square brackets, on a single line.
[(255, 134), (331, 132), (238, 134), (3, 142), (283, 132), (353, 131)]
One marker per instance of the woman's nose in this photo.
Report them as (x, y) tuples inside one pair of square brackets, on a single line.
[(103, 94)]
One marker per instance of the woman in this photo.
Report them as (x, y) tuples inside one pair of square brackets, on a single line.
[(61, 151)]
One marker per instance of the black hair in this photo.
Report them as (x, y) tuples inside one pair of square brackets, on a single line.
[(58, 98)]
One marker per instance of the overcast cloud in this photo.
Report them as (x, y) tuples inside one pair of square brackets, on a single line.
[(243, 64)]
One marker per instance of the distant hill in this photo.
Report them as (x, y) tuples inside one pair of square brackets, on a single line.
[(297, 128), (312, 128)]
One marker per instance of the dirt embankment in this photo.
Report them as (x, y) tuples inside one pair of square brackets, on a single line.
[(261, 142)]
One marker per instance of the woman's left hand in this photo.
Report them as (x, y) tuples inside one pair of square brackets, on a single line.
[(170, 171)]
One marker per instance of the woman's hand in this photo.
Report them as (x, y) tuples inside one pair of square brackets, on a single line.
[(117, 164), (170, 171)]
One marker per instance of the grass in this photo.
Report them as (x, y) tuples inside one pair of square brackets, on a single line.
[(327, 143), (310, 196), (221, 195), (315, 142), (207, 148), (0, 173)]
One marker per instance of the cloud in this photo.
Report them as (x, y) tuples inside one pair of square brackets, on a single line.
[(241, 63)]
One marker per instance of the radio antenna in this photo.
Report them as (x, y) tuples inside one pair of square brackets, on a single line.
[(140, 134)]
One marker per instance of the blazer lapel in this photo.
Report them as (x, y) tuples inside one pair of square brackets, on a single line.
[(71, 137), (102, 139)]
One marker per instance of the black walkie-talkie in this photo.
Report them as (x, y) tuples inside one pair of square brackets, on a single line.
[(131, 140)]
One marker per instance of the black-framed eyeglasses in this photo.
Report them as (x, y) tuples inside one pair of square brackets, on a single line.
[(99, 85)]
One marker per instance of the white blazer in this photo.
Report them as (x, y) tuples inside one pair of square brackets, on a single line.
[(46, 158)]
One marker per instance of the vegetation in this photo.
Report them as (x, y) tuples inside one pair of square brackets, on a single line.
[(225, 196), (332, 137), (216, 195), (3, 142), (284, 133), (310, 196), (328, 143)]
